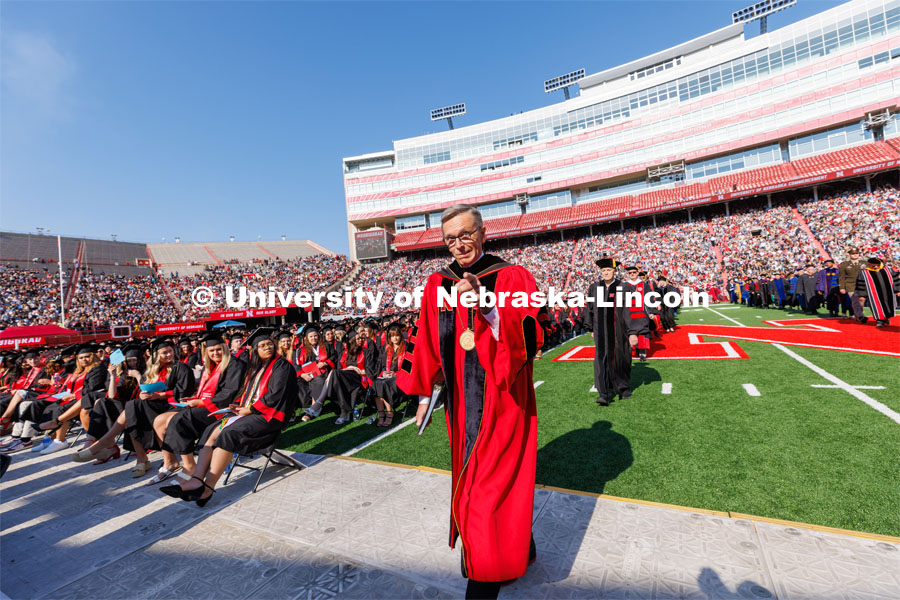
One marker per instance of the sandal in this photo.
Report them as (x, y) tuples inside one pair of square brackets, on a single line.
[(163, 474), (140, 469), (388, 418), (196, 495), (380, 421), (84, 455), (107, 455)]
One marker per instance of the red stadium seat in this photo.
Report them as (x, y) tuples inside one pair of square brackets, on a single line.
[(895, 144), (847, 158), (502, 225), (746, 180), (545, 218), (431, 236), (661, 198), (602, 208), (407, 238)]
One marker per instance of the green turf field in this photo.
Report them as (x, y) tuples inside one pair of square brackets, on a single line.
[(795, 452)]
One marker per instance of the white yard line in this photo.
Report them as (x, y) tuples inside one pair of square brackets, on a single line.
[(751, 389), (859, 387), (667, 388), (537, 383), (892, 415), (843, 385), (724, 316)]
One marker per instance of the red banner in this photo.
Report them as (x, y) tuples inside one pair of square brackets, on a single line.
[(22, 341), (250, 313), (176, 327), (142, 262)]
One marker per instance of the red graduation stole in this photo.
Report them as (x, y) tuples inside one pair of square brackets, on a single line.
[(207, 389), (73, 385), (360, 362), (308, 365), (25, 381), (267, 411), (390, 357)]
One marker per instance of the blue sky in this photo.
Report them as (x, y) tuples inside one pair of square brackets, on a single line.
[(209, 119)]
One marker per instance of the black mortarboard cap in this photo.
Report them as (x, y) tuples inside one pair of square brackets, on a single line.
[(606, 262), (258, 335), (89, 347), (163, 342), (213, 338), (133, 350)]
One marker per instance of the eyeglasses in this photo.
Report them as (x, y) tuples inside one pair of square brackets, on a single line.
[(464, 238)]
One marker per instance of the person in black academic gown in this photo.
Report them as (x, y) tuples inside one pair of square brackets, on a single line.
[(358, 368), (666, 313), (387, 394), (180, 430), (137, 418), (615, 334), (187, 354), (268, 397), (123, 383), (88, 377), (640, 314), (879, 289), (313, 360)]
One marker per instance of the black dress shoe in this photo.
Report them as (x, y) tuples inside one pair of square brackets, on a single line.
[(625, 395), (602, 401), (174, 491)]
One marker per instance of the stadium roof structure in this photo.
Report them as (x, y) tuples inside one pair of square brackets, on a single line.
[(704, 41)]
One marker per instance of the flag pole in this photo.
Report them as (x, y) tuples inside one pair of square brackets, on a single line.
[(62, 301)]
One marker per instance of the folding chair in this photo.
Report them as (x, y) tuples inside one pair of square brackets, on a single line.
[(268, 452)]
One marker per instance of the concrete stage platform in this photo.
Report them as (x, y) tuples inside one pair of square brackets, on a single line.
[(345, 528)]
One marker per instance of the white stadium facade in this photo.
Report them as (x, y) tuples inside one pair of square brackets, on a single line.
[(714, 119)]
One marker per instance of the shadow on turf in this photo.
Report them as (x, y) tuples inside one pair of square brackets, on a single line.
[(585, 459), (643, 374), (332, 442)]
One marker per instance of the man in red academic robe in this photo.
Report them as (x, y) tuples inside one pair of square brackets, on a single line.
[(484, 356)]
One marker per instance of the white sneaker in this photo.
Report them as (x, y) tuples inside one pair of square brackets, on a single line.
[(54, 446), (44, 443)]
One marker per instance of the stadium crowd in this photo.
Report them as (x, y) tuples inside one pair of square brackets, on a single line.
[(755, 243), (28, 297), (869, 221), (705, 253), (310, 273)]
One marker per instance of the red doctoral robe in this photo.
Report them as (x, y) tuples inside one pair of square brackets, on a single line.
[(491, 415)]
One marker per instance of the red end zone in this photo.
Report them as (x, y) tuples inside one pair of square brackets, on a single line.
[(692, 342)]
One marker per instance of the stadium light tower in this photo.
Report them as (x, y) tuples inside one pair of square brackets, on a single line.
[(563, 82), (448, 112), (760, 11)]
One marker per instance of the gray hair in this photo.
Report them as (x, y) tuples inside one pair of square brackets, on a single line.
[(462, 209)]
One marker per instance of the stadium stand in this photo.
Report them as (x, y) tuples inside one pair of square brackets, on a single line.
[(545, 218), (755, 178), (848, 158)]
